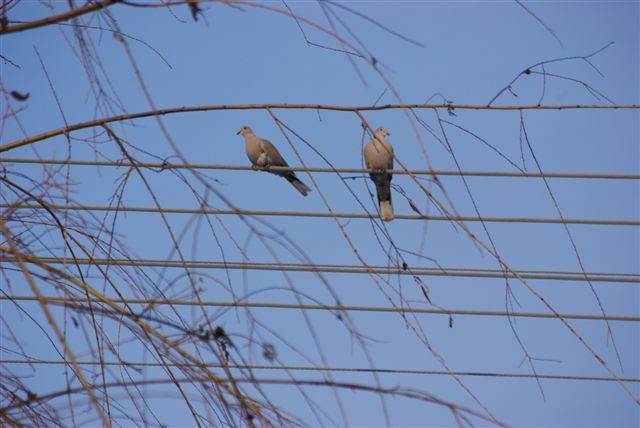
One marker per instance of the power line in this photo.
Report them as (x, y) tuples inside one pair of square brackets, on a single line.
[(167, 165), (609, 222), (320, 369), (269, 305), (333, 268)]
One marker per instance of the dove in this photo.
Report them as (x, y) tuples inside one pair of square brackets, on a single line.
[(263, 154), (378, 156)]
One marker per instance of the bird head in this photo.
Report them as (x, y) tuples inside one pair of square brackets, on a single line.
[(244, 131), (381, 132)]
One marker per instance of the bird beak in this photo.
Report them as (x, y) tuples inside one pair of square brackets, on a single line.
[(238, 133)]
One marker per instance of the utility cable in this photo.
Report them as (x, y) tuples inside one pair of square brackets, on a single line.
[(269, 305), (104, 208), (333, 268), (321, 369), (168, 165)]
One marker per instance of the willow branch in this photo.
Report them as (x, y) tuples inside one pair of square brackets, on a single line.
[(174, 110), (73, 13)]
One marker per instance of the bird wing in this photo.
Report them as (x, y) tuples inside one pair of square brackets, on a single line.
[(274, 157)]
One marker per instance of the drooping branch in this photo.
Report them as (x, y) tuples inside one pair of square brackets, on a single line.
[(174, 110), (74, 13)]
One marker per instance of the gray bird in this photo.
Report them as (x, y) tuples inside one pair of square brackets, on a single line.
[(262, 153), (378, 155)]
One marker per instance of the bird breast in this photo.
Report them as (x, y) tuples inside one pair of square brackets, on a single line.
[(376, 155), (255, 153)]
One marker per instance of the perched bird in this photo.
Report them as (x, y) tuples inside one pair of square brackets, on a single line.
[(263, 154), (378, 156)]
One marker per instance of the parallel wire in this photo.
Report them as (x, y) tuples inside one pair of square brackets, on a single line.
[(168, 165), (333, 268), (307, 214), (321, 369), (269, 305)]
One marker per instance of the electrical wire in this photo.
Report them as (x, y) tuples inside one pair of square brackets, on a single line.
[(320, 369), (105, 208), (167, 165), (268, 305), (333, 268)]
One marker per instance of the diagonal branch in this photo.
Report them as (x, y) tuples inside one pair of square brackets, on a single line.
[(73, 13)]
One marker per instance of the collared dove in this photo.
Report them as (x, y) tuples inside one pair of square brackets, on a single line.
[(378, 155), (264, 154)]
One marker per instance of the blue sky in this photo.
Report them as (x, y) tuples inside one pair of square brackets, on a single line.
[(250, 55)]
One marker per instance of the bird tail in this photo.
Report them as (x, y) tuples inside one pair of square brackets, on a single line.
[(299, 185), (383, 189), (386, 210)]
